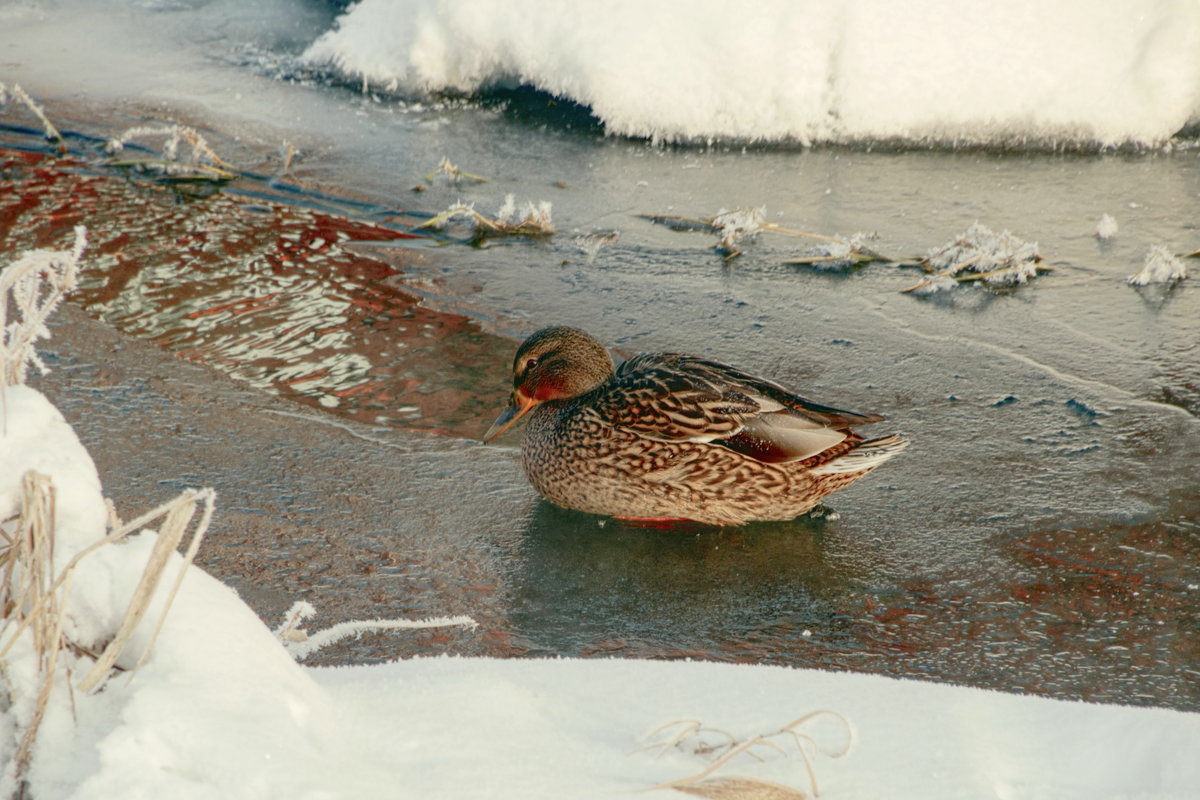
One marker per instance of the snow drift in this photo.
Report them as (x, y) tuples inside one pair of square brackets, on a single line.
[(1013, 74)]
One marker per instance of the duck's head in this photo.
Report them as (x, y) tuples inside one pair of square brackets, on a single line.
[(553, 364)]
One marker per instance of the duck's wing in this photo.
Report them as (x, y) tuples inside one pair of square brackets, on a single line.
[(678, 398)]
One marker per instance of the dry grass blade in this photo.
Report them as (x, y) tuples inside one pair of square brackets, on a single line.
[(701, 784), (28, 563), (179, 513), (735, 788), (1193, 254)]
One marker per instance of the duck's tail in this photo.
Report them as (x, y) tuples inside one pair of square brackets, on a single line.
[(868, 455)]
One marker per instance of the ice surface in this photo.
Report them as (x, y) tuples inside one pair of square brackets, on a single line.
[(926, 70)]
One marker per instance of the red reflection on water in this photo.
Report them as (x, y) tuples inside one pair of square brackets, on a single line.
[(269, 293)]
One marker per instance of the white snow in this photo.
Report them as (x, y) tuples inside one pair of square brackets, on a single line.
[(220, 710), (1023, 71), (1161, 266)]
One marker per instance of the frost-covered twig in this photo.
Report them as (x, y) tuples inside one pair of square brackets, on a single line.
[(201, 152), (35, 284), (300, 644), (1161, 266), (203, 167), (838, 254), (50, 131)]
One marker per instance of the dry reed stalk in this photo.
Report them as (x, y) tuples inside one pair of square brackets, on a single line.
[(51, 132), (179, 513), (802, 741), (28, 563), (30, 600)]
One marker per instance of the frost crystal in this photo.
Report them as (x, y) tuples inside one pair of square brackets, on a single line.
[(1106, 228), (1161, 267), (997, 259)]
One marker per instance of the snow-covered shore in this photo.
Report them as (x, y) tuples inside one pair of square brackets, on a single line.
[(219, 709), (1077, 72)]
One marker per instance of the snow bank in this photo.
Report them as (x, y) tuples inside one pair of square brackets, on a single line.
[(220, 711), (1011, 74)]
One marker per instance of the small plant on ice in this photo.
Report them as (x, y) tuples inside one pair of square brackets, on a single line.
[(591, 243), (452, 172), (732, 226), (1161, 267), (723, 747), (980, 254), (201, 165), (853, 252), (744, 223), (535, 222), (1106, 228)]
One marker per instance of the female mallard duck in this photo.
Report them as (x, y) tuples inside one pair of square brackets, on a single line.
[(669, 436)]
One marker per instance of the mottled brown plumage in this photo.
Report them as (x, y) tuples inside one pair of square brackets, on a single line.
[(669, 436)]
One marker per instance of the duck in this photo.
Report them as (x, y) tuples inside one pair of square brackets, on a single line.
[(668, 436)]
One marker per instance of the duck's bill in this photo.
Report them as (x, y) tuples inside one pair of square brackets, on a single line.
[(518, 408)]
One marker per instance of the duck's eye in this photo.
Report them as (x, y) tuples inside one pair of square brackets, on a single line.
[(530, 364)]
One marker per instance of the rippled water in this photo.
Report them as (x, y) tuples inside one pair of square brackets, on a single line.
[(1040, 534)]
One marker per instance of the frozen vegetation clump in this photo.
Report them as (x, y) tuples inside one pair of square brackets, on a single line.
[(838, 254), (980, 254), (1106, 228), (732, 226), (1161, 267), (531, 221), (34, 285)]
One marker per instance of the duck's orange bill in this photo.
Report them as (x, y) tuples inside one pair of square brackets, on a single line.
[(518, 408)]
